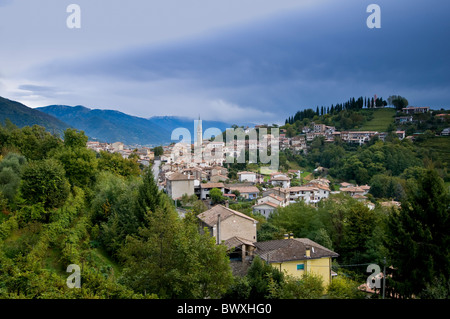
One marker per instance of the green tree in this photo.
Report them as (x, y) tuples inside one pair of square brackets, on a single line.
[(158, 150), (10, 175), (263, 279), (359, 225), (35, 143), (299, 218), (344, 288), (115, 163), (149, 197), (216, 196), (418, 241), (114, 208), (199, 207), (310, 286), (173, 260), (398, 101), (75, 138), (45, 182)]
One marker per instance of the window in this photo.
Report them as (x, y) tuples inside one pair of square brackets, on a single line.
[(300, 266)]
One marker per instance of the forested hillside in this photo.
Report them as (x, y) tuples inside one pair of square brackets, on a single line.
[(21, 115), (62, 204)]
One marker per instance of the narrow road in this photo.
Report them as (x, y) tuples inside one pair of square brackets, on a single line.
[(155, 170)]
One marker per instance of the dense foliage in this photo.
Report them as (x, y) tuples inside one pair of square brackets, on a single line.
[(63, 204)]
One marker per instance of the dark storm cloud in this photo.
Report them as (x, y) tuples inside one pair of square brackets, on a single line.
[(309, 57)]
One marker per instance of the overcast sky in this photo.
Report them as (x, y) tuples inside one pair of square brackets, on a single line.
[(232, 60)]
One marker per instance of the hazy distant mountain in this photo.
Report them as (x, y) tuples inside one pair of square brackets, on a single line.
[(22, 115), (113, 126), (110, 126)]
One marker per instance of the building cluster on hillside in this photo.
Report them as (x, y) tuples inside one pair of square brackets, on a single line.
[(144, 154), (330, 134), (294, 256), (181, 171), (276, 191)]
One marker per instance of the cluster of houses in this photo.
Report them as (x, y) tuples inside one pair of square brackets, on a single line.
[(275, 192), (299, 143), (294, 256), (145, 154), (180, 175)]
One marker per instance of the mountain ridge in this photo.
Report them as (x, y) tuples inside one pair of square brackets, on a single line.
[(113, 126), (22, 115), (102, 125)]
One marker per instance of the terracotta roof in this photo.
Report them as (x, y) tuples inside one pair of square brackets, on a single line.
[(352, 189), (345, 184), (318, 185), (209, 217), (280, 189), (179, 177), (236, 242), (280, 178), (291, 249), (244, 189), (211, 185), (275, 197), (268, 204), (302, 188)]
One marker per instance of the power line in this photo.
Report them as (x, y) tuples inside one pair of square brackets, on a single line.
[(353, 265)]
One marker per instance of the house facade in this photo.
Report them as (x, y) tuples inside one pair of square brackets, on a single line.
[(247, 177), (205, 188), (265, 209), (247, 192), (304, 193), (224, 223), (297, 256), (281, 181), (178, 184)]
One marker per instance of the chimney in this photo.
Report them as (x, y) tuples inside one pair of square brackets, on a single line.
[(291, 235), (218, 229), (227, 204), (308, 252), (286, 236)]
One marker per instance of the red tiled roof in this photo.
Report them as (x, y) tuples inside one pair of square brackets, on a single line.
[(212, 185), (210, 216)]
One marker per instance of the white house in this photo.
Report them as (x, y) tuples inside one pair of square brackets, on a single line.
[(281, 181), (247, 176), (265, 209), (274, 199), (307, 194)]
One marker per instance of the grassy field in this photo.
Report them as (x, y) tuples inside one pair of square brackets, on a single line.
[(381, 120), (437, 148)]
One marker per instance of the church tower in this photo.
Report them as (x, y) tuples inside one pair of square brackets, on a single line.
[(199, 139)]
